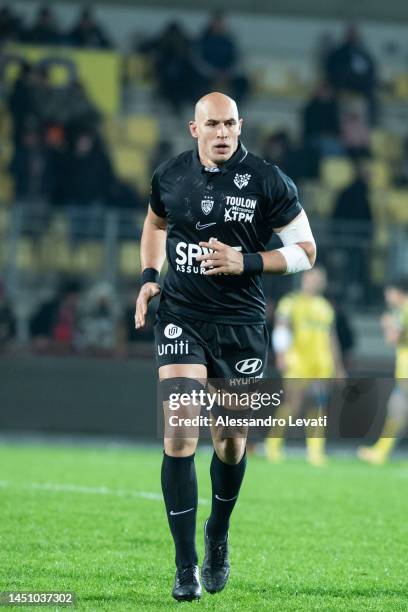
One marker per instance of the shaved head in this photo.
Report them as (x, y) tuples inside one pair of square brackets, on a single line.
[(217, 127), (214, 103)]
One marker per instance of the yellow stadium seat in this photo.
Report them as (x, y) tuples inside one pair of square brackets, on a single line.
[(6, 188), (320, 199), (386, 145), (401, 86), (27, 254), (379, 174), (138, 68), (397, 205), (132, 165), (55, 252), (87, 257), (129, 258), (336, 172), (142, 130)]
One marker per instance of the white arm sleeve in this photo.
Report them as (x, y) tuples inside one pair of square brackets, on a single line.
[(297, 231), (281, 338)]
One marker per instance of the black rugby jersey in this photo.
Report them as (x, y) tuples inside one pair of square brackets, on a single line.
[(239, 203)]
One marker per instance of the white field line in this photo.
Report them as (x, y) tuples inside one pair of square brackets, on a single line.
[(72, 488)]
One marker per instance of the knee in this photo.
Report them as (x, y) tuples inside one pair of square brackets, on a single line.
[(180, 447), (230, 450)]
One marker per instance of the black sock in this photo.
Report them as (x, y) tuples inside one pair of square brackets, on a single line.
[(179, 486), (226, 481)]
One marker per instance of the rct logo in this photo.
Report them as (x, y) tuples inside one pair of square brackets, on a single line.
[(172, 331), (248, 366), (241, 180)]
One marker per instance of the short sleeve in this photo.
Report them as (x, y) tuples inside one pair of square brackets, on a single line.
[(155, 202), (282, 199)]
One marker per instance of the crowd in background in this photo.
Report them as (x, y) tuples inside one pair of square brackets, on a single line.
[(86, 32), (60, 157)]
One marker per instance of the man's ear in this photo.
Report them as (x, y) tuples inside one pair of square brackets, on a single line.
[(240, 122), (193, 129)]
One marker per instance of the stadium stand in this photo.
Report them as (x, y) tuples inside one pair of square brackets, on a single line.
[(132, 121)]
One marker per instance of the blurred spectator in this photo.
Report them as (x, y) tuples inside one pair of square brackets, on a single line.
[(352, 229), (10, 25), (84, 183), (99, 320), (124, 196), (86, 172), (21, 103), (88, 33), (355, 131), (27, 167), (298, 163), (44, 31), (350, 67), (7, 319), (78, 107), (321, 122), (219, 59), (401, 179), (353, 203), (55, 324), (172, 57)]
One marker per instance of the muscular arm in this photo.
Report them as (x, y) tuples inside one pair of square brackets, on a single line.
[(153, 242), (152, 255)]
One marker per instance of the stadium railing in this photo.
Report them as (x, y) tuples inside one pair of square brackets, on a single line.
[(38, 244)]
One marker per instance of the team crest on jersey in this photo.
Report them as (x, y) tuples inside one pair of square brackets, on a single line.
[(241, 180), (207, 205)]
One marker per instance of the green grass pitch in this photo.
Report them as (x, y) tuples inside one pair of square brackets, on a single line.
[(90, 520)]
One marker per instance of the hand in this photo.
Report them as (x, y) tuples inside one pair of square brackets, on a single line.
[(224, 259), (146, 293)]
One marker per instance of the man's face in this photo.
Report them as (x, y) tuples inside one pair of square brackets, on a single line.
[(217, 128), (314, 281)]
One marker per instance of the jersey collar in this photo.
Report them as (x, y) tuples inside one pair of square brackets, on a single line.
[(239, 155)]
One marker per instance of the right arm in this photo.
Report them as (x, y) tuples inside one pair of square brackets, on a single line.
[(392, 331), (152, 255)]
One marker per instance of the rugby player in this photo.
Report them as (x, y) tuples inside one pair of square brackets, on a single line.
[(307, 353), (395, 326), (212, 210)]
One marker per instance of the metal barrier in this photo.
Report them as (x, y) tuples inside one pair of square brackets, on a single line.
[(39, 244)]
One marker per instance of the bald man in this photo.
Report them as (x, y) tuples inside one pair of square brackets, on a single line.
[(212, 210)]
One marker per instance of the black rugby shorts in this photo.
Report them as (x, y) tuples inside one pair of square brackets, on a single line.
[(228, 351)]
